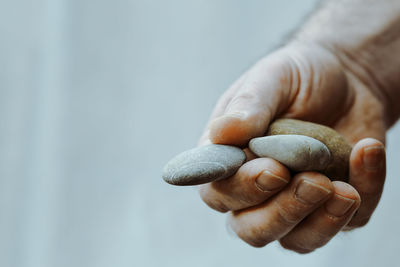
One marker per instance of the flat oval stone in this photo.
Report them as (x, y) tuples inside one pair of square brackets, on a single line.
[(203, 165), (298, 152), (338, 168)]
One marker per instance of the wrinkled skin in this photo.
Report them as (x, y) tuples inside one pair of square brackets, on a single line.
[(303, 212)]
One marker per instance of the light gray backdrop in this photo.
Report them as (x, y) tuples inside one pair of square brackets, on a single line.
[(96, 95)]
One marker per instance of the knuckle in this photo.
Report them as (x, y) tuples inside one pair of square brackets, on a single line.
[(226, 96), (212, 202), (294, 247), (318, 240), (285, 216), (255, 243), (218, 206), (245, 96), (253, 234), (255, 238), (305, 244)]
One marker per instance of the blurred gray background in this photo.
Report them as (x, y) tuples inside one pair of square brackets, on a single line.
[(95, 96)]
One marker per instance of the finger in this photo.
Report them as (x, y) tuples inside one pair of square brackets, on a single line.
[(220, 107), (367, 176), (253, 183), (249, 154), (266, 89), (317, 229), (273, 219), (292, 82)]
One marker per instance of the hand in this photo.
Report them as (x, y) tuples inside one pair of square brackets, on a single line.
[(305, 211)]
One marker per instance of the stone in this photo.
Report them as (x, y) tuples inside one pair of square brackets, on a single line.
[(338, 168), (203, 165), (297, 152)]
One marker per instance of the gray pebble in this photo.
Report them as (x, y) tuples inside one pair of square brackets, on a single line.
[(298, 152), (203, 165)]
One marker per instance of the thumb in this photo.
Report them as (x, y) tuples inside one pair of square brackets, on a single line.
[(296, 81), (266, 90)]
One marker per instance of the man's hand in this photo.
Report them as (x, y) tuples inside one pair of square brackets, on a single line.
[(303, 212)]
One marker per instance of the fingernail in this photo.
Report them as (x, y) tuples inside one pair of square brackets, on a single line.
[(339, 205), (267, 181), (310, 193), (373, 157)]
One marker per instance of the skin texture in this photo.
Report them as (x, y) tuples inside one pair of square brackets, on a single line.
[(307, 81)]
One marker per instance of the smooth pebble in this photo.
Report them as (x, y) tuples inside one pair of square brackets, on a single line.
[(298, 152), (338, 168), (203, 165)]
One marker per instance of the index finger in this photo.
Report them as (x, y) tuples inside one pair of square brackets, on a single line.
[(220, 107)]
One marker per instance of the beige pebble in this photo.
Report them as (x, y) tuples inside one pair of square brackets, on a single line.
[(338, 168)]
